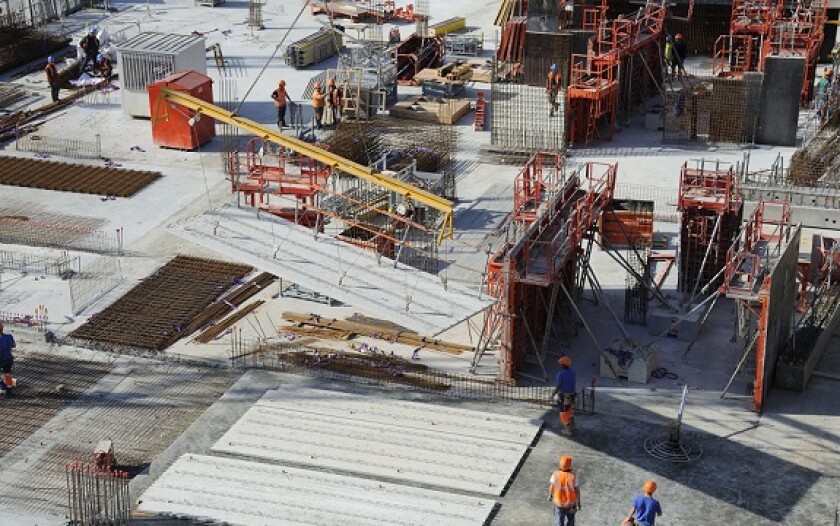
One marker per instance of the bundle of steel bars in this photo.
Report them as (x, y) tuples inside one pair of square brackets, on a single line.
[(96, 496)]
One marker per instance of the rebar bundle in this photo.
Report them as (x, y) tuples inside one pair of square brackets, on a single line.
[(96, 496), (255, 17)]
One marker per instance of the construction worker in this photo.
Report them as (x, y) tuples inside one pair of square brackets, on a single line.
[(564, 492), (394, 37), (822, 92), (516, 73), (52, 78), (668, 56), (90, 47), (318, 103), (334, 101), (645, 508), (281, 98), (566, 384), (678, 61), (7, 359), (405, 208), (104, 67), (552, 87)]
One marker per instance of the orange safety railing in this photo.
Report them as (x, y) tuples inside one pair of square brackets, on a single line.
[(735, 54), (703, 187), (530, 185), (754, 16)]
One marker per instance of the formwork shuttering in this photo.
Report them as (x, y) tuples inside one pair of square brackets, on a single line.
[(711, 209), (537, 275)]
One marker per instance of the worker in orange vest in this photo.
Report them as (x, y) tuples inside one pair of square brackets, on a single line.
[(552, 87), (281, 98), (564, 492), (52, 78), (318, 103), (334, 101), (566, 385)]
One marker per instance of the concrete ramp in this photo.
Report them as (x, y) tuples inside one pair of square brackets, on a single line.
[(413, 299)]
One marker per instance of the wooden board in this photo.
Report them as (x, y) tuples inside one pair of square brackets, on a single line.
[(418, 108)]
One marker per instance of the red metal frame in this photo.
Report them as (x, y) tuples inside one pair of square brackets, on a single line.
[(529, 186), (592, 93), (520, 275), (714, 189)]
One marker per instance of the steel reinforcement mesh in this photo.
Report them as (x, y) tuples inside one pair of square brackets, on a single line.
[(152, 315), (46, 384), (68, 177)]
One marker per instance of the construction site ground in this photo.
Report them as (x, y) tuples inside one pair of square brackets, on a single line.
[(780, 467)]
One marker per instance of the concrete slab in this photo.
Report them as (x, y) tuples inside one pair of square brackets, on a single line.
[(251, 493), (289, 432), (413, 299), (408, 415)]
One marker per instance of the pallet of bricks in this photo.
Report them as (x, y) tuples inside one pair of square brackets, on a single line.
[(313, 48)]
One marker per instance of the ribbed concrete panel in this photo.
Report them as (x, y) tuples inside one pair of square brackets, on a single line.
[(396, 440), (413, 415), (235, 491), (334, 268)]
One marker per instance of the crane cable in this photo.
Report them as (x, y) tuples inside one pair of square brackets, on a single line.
[(273, 54)]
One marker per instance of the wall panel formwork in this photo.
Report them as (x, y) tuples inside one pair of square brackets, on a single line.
[(777, 316)]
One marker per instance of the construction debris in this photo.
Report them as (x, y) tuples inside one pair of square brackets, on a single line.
[(375, 331), (443, 111)]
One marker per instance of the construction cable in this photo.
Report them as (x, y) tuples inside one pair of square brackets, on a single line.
[(270, 58)]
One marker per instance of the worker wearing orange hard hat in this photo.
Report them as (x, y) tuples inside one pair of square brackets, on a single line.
[(566, 385), (564, 492), (318, 103), (281, 98), (645, 508), (334, 101)]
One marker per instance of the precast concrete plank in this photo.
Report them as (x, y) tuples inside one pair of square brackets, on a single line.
[(350, 442), (233, 491), (416, 300), (404, 414)]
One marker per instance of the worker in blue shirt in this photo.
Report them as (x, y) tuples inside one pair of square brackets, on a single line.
[(566, 384), (645, 508), (7, 343)]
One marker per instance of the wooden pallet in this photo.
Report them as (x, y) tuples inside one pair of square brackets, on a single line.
[(446, 111)]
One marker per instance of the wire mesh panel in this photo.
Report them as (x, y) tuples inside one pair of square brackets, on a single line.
[(94, 281), (75, 148)]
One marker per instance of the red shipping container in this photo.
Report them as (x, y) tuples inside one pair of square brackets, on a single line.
[(171, 126)]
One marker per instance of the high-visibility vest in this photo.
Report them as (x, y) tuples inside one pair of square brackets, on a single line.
[(563, 485), (318, 99), (553, 82), (279, 95)]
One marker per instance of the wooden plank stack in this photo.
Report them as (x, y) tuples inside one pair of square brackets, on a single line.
[(506, 12)]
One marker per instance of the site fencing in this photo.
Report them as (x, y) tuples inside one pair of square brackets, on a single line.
[(61, 265), (36, 321), (17, 227), (74, 148), (387, 370), (93, 282)]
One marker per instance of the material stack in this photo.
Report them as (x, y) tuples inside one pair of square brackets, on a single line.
[(313, 48)]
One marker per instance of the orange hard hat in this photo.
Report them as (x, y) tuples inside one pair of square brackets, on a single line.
[(565, 360), (649, 487), (679, 35), (331, 82), (281, 83), (565, 463)]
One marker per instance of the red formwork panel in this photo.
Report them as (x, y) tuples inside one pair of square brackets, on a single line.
[(178, 127)]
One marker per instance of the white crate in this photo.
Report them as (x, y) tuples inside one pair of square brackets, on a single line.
[(149, 57)]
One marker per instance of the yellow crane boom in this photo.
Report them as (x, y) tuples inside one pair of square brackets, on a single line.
[(336, 162)]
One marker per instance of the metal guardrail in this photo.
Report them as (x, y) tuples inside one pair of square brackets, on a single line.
[(74, 148)]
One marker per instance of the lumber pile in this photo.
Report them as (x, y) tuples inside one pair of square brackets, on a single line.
[(442, 111), (506, 11), (213, 332), (228, 302), (342, 327)]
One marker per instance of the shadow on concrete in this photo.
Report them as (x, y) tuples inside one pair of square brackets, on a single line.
[(727, 471)]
